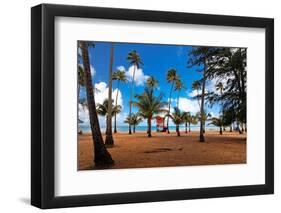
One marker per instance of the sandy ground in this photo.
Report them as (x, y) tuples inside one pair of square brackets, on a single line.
[(162, 150)]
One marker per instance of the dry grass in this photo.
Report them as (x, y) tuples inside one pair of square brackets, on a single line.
[(162, 150)]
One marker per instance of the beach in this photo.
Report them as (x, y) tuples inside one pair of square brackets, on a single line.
[(166, 150)]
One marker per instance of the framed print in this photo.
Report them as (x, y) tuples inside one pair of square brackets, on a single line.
[(139, 106)]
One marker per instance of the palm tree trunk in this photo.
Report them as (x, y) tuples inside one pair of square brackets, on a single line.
[(230, 128), (168, 131), (178, 130), (202, 123), (149, 127), (220, 130), (131, 99), (134, 130), (189, 127), (101, 155), (178, 99), (185, 127), (115, 125), (109, 138)]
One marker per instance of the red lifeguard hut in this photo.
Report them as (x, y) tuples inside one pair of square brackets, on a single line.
[(160, 124)]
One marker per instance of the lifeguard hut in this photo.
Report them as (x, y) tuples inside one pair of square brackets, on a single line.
[(160, 124)]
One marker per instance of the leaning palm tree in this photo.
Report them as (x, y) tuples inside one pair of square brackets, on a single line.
[(178, 118), (134, 120), (178, 87), (109, 138), (188, 120), (171, 78), (102, 110), (217, 122), (119, 76), (149, 105), (135, 60), (101, 156)]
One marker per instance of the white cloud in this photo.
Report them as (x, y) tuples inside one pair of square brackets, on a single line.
[(188, 105), (139, 79)]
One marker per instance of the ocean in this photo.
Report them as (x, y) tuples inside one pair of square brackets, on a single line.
[(123, 128)]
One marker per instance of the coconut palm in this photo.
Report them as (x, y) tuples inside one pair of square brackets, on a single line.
[(171, 78), (178, 87), (109, 138), (135, 60), (217, 122), (102, 109), (151, 82), (197, 86), (134, 121), (101, 155), (200, 56), (119, 76), (178, 118), (149, 105), (189, 119), (203, 118)]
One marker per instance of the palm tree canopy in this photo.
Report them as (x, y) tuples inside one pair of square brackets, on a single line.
[(134, 58), (179, 84), (151, 82), (171, 75), (220, 87), (177, 116), (188, 118), (134, 120), (148, 104), (196, 85), (216, 122), (102, 109), (119, 75)]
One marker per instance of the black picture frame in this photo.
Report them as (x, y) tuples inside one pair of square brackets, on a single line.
[(43, 117)]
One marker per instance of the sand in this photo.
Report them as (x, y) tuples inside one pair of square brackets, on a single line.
[(164, 150)]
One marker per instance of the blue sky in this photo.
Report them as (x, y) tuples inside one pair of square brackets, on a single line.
[(157, 59)]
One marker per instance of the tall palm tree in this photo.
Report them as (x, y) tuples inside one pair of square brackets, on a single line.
[(109, 138), (178, 118), (149, 105), (151, 82), (200, 56), (197, 86), (135, 60), (101, 156), (119, 76), (134, 120), (178, 87), (171, 78), (189, 119)]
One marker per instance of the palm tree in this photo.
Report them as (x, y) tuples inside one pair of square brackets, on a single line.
[(199, 56), (217, 122), (197, 86), (171, 78), (178, 118), (151, 82), (102, 109), (135, 60), (119, 76), (189, 119), (101, 155), (134, 121), (203, 118), (149, 105), (178, 87), (109, 138), (220, 87)]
